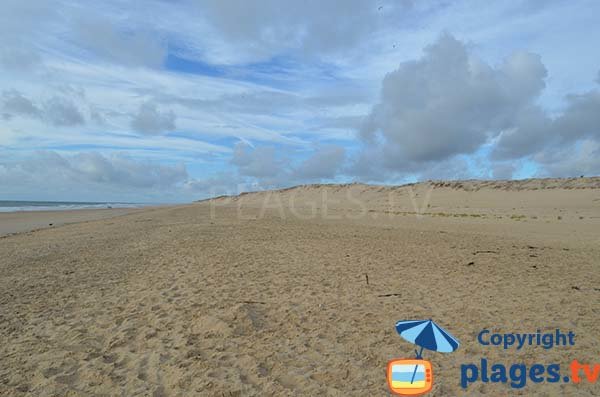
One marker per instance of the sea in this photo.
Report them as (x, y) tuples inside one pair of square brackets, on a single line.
[(13, 206)]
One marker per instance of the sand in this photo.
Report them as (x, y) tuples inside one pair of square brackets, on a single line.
[(241, 296), (19, 222)]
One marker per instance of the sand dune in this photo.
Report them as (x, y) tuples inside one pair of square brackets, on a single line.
[(266, 293)]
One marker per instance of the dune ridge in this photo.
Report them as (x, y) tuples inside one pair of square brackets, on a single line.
[(466, 185)]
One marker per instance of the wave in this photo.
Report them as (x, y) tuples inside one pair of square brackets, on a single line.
[(16, 206)]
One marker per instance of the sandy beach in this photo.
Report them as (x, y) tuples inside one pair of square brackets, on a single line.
[(266, 294), (18, 222)]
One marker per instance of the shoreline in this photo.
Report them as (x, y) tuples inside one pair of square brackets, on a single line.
[(12, 223)]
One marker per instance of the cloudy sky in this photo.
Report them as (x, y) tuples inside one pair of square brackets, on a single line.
[(162, 101)]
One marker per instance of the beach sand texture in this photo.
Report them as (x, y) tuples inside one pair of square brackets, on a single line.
[(255, 295), (19, 222)]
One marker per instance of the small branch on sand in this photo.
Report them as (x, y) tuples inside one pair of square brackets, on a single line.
[(367, 278), (485, 252), (387, 295), (253, 302)]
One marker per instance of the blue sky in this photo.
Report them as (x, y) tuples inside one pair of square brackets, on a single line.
[(175, 101)]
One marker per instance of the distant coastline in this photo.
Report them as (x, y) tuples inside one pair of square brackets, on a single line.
[(26, 206)]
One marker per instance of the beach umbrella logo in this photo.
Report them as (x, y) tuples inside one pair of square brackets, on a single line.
[(414, 377)]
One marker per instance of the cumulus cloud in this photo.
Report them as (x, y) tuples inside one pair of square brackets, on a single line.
[(581, 118), (151, 121), (448, 103), (536, 131), (268, 167)]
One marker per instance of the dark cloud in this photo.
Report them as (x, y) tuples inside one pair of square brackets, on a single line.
[(531, 132), (581, 118), (580, 158), (149, 120), (456, 167), (503, 170)]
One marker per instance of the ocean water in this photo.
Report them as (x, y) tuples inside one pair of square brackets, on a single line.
[(12, 206)]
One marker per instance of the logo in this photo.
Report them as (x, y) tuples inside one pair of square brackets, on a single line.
[(414, 377), (519, 374), (409, 377)]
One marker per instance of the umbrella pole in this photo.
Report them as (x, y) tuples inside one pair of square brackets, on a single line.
[(416, 366)]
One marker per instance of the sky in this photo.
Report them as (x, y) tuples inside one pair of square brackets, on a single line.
[(173, 101)]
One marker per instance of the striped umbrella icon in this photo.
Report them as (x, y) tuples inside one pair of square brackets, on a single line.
[(427, 335)]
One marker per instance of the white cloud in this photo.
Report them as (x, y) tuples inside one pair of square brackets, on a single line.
[(448, 103), (535, 130)]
